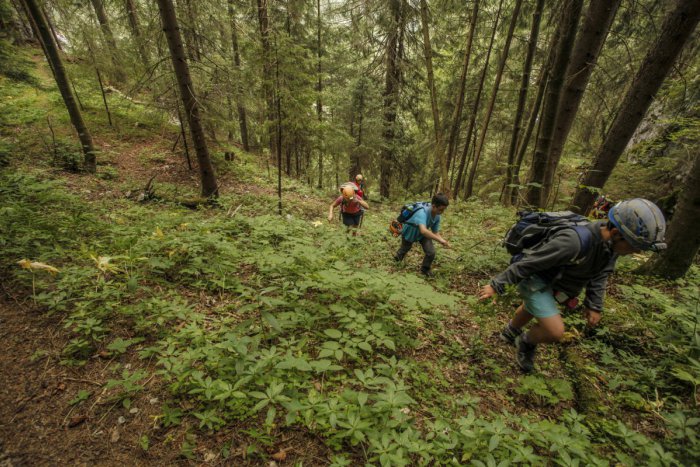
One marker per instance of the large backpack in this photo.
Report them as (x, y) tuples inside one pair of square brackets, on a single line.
[(407, 211), (532, 228)]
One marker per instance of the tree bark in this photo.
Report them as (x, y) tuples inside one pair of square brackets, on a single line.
[(535, 117), (682, 234), (589, 43), (319, 93), (263, 23), (475, 109), (522, 96), (136, 30), (52, 55), (492, 101), (102, 18), (391, 97), (677, 28), (439, 151), (49, 21), (572, 13), (189, 98), (459, 107), (242, 114)]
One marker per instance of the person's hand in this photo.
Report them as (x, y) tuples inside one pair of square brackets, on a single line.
[(330, 217), (486, 292), (446, 244), (592, 317)]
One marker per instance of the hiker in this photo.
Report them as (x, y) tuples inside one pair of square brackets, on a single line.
[(554, 271), (360, 184), (423, 226), (351, 206)]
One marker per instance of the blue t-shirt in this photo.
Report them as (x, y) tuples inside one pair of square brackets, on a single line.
[(411, 233)]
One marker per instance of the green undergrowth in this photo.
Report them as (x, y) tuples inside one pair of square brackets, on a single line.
[(280, 322), (258, 322)]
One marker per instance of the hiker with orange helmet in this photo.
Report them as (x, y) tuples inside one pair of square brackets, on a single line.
[(351, 206)]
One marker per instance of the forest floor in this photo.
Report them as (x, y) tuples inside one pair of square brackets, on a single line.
[(229, 335)]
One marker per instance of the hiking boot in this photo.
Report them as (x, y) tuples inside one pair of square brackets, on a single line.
[(427, 273), (525, 355), (509, 334)]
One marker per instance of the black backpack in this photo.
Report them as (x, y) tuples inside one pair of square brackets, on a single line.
[(532, 228)]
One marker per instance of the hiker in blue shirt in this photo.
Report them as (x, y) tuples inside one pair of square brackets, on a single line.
[(423, 227)]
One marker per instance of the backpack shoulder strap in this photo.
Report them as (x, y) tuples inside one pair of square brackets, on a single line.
[(585, 236)]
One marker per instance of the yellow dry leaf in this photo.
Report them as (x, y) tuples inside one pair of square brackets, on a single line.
[(183, 226), (571, 336), (37, 266), (317, 223), (158, 233), (103, 264)]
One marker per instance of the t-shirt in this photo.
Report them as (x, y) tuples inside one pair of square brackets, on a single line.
[(350, 207), (359, 190), (411, 233)]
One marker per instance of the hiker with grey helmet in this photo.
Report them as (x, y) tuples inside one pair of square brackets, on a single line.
[(554, 271)]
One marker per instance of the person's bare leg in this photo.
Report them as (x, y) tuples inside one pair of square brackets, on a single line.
[(521, 317), (546, 330)]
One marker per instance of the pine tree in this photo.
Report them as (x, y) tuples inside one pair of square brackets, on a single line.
[(52, 55), (678, 26), (188, 96)]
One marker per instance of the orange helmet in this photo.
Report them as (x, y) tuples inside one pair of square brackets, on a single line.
[(348, 192)]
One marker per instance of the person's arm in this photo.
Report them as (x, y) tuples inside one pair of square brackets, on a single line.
[(330, 211), (595, 294), (557, 251), (363, 203), (426, 232)]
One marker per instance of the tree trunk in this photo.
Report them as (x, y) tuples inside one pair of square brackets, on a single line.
[(242, 115), (492, 101), (319, 93), (522, 97), (457, 113), (475, 109), (391, 97), (52, 55), (572, 13), (189, 98), (267, 73), (677, 28), (588, 44), (49, 21), (102, 18), (535, 117), (136, 30), (24, 31), (439, 139), (190, 32), (682, 235)]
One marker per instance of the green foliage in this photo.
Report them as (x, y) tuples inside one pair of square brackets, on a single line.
[(15, 65), (271, 320)]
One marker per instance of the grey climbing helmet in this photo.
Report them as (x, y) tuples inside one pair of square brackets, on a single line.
[(640, 222)]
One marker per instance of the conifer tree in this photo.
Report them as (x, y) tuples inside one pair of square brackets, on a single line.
[(52, 55), (188, 96)]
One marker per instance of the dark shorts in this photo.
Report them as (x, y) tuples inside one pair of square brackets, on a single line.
[(352, 220)]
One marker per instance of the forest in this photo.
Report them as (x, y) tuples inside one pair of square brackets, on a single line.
[(174, 290)]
